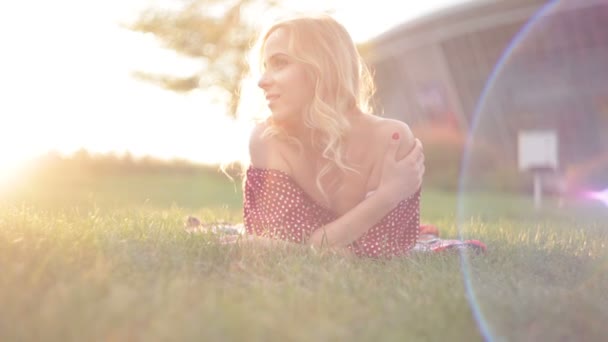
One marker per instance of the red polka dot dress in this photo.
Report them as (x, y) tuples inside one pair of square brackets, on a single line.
[(276, 206)]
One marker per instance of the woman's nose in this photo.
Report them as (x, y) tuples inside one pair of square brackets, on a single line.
[(264, 81)]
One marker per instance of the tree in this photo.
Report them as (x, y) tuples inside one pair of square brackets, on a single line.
[(214, 31)]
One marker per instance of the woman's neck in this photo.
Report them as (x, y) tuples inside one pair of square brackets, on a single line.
[(305, 135)]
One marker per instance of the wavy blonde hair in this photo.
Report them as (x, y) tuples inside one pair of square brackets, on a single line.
[(342, 83)]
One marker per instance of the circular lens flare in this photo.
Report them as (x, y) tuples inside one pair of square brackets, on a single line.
[(482, 107)]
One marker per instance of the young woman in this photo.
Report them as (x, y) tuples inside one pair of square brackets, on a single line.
[(324, 171)]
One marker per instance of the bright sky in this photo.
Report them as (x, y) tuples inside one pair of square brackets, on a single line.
[(66, 84)]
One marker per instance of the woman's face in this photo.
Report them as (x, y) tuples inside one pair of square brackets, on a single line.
[(287, 87)]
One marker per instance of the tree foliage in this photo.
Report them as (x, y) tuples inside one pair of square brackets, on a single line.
[(215, 32)]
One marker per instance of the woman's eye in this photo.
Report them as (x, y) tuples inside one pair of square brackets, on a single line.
[(279, 63)]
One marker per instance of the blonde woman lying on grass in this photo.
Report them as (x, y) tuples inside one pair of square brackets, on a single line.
[(325, 171)]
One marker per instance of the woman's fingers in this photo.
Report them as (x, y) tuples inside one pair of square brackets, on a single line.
[(421, 153), (393, 147), (413, 164), (402, 177), (416, 156), (416, 153)]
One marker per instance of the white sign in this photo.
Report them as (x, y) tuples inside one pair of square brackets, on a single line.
[(537, 149)]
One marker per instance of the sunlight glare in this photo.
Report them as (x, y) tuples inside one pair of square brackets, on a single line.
[(74, 88)]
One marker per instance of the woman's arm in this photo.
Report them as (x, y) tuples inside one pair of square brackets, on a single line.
[(400, 178)]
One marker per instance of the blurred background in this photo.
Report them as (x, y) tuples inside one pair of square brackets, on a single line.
[(156, 94), (487, 71)]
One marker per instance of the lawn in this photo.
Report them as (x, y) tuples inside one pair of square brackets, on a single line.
[(88, 259)]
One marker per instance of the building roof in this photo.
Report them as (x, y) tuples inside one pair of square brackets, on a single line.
[(458, 20), (466, 12)]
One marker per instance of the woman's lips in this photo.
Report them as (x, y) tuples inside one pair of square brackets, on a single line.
[(271, 98)]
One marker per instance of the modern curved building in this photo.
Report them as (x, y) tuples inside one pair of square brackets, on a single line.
[(496, 67)]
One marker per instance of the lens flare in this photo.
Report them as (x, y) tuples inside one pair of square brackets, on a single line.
[(601, 196), (481, 107)]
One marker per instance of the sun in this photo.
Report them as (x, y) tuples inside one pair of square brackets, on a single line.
[(10, 169)]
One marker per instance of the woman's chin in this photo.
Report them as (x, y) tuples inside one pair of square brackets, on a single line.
[(281, 118), (286, 120)]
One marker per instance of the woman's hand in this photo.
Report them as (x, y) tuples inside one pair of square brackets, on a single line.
[(400, 179)]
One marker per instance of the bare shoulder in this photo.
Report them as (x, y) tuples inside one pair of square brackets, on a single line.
[(266, 152), (383, 130), (257, 143)]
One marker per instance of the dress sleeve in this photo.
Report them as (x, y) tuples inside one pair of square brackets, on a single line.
[(396, 234), (274, 207), (261, 206)]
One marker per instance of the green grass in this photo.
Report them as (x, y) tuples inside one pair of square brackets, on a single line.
[(108, 259), (154, 190)]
